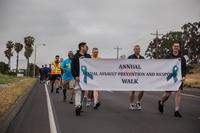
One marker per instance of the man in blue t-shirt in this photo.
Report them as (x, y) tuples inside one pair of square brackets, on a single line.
[(68, 81), (46, 72)]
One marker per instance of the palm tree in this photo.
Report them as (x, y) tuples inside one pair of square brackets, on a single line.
[(18, 47), (8, 52), (29, 43)]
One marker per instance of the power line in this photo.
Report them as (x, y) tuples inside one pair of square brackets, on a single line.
[(156, 34)]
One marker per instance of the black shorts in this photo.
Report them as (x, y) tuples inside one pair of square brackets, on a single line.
[(55, 77), (180, 88), (46, 75), (49, 76)]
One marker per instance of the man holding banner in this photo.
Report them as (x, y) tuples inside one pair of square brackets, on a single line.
[(131, 75), (81, 53), (136, 105), (97, 103), (175, 54)]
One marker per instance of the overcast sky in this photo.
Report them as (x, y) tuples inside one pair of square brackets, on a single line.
[(62, 24)]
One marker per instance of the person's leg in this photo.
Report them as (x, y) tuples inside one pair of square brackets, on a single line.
[(140, 95), (78, 94), (44, 78), (177, 103), (71, 90), (52, 83), (40, 78), (58, 83), (164, 98), (89, 98), (131, 100), (52, 86), (96, 99), (82, 97), (49, 79), (77, 97), (138, 103), (64, 86), (71, 93), (85, 96), (131, 97), (177, 100)]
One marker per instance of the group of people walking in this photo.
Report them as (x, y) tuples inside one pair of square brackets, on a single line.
[(64, 74)]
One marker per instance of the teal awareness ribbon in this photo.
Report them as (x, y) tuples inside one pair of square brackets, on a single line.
[(86, 74), (173, 74)]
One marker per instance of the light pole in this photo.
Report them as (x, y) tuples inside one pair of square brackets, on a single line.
[(34, 71)]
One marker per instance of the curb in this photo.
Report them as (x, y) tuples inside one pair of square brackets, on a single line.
[(7, 118)]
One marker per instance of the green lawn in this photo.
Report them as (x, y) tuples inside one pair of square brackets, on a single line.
[(5, 79)]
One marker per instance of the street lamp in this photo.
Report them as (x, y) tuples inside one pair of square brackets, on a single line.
[(34, 71)]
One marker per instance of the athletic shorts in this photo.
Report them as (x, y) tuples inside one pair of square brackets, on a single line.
[(55, 77), (50, 76), (68, 84), (71, 84), (46, 75), (180, 88)]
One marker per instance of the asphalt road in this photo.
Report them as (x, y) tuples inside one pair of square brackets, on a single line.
[(112, 117)]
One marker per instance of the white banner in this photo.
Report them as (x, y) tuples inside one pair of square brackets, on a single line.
[(130, 74)]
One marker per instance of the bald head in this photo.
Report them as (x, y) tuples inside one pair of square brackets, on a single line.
[(95, 52), (70, 54), (136, 49)]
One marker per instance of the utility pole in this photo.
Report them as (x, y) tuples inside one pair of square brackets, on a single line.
[(118, 48), (157, 36), (34, 73)]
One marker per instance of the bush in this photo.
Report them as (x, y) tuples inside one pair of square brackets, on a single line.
[(4, 68)]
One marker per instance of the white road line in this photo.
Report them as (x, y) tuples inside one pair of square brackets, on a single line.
[(110, 91), (189, 95), (53, 128)]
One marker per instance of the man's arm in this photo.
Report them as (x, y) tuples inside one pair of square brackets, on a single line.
[(74, 67), (63, 66), (183, 66)]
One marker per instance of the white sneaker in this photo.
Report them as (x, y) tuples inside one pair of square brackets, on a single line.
[(138, 106), (88, 104), (132, 107)]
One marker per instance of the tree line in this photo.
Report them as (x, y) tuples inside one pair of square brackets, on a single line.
[(188, 37), (17, 47)]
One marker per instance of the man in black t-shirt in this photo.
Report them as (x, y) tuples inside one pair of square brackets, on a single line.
[(175, 54), (75, 65)]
